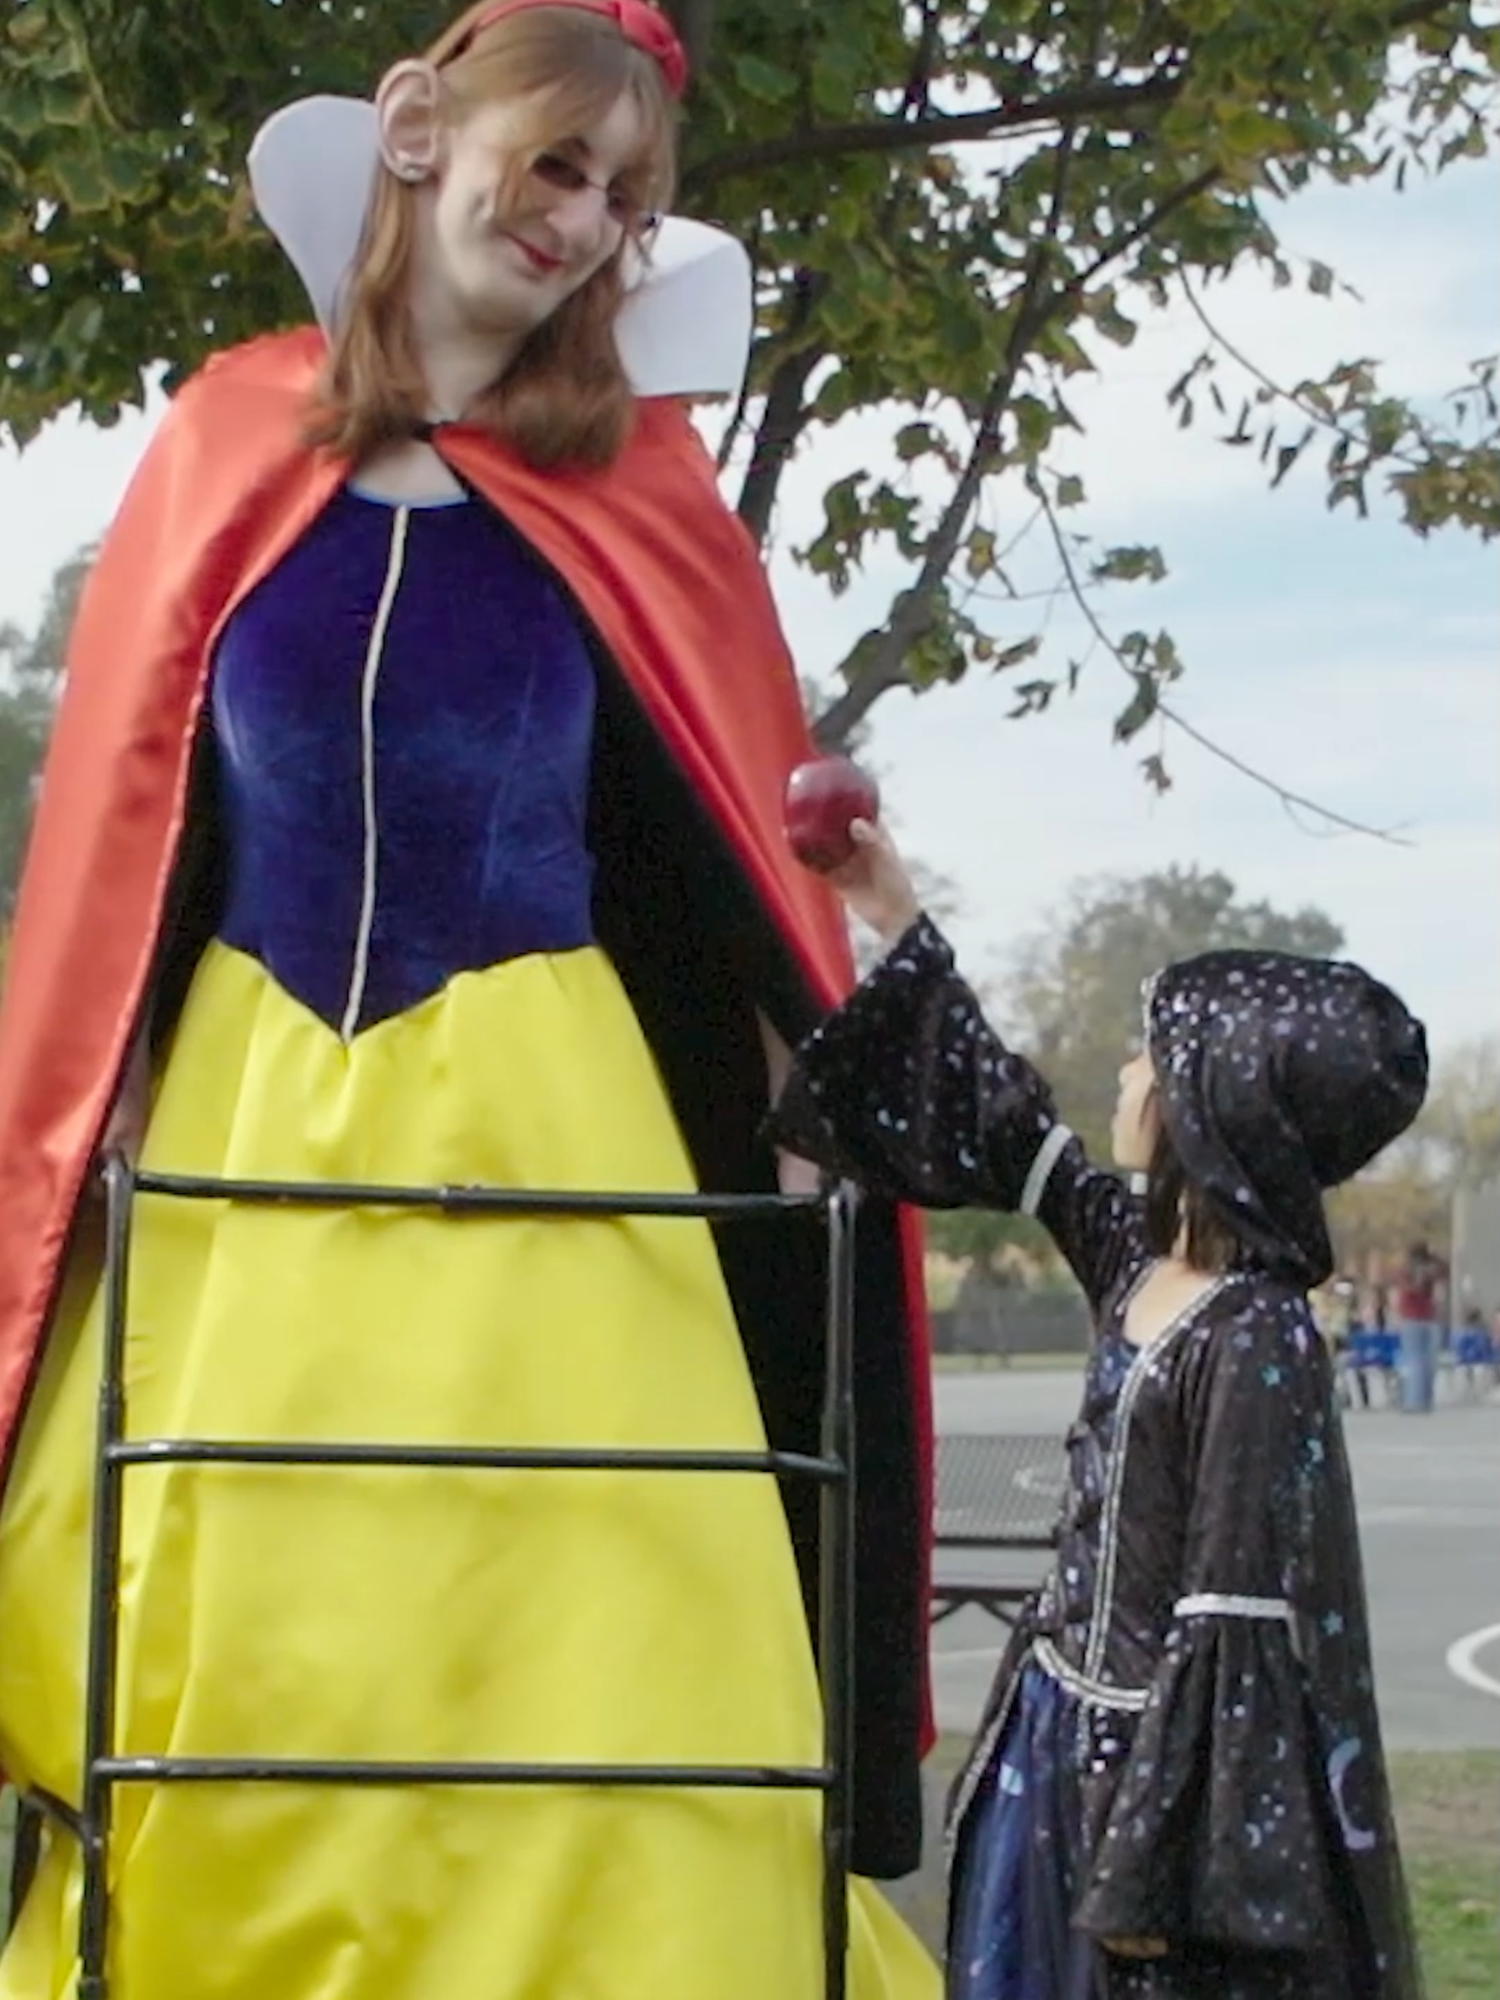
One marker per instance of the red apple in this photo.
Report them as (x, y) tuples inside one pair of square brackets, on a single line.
[(823, 799)]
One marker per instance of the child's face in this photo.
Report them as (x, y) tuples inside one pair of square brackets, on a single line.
[(1137, 1116)]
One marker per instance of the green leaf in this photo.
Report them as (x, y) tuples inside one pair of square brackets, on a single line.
[(1142, 705), (897, 274), (1286, 457), (1156, 773), (763, 81), (1014, 655), (1062, 347), (979, 553), (1134, 564), (1033, 698), (1350, 487), (28, 27), (82, 183), (1034, 422), (1115, 326)]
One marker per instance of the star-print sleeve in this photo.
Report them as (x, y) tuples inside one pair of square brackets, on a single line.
[(907, 1090), (1228, 1827)]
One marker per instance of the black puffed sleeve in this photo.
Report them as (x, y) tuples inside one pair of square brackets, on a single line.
[(907, 1090)]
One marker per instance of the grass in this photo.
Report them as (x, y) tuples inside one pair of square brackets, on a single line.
[(1448, 1810), (1448, 1813)]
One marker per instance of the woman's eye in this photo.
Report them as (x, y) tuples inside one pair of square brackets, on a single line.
[(559, 173)]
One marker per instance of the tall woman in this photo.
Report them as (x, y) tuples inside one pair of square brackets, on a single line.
[(411, 818)]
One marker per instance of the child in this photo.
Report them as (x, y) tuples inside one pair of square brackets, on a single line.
[(1178, 1790)]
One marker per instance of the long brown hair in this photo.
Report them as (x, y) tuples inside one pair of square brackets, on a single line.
[(1178, 1217), (565, 398)]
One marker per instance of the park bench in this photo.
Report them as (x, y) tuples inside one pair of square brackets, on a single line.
[(996, 1496)]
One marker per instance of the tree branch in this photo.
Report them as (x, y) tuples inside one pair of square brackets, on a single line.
[(884, 664), (784, 417), (694, 22), (887, 135), (1138, 232), (1415, 12), (878, 663), (915, 96), (1273, 388), (1168, 714), (893, 135), (1288, 798), (782, 423), (735, 426)]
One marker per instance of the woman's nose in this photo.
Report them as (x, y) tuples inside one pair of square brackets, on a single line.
[(580, 215)]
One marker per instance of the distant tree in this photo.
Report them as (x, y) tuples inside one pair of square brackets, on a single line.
[(1407, 1195), (30, 673), (1399, 1201), (1072, 1000), (1460, 1122), (1073, 995), (980, 1237)]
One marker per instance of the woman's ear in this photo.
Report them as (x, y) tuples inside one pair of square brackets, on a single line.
[(407, 107)]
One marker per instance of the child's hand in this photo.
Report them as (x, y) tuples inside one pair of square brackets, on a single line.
[(1136, 1947), (874, 882)]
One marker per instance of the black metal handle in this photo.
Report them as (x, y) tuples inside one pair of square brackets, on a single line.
[(832, 1468)]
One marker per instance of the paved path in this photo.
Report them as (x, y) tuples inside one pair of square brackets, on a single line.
[(1428, 1491)]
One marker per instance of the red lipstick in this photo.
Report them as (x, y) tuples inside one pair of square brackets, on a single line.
[(538, 259)]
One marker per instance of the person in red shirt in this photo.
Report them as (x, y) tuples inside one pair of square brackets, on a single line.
[(1417, 1293)]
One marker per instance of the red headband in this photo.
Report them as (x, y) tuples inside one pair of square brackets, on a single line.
[(643, 26)]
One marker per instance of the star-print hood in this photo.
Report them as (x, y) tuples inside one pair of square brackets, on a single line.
[(1279, 1077)]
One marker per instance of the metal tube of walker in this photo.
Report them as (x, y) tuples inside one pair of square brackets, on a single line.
[(104, 1590), (836, 1586)]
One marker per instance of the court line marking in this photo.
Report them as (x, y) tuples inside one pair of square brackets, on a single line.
[(1460, 1660)]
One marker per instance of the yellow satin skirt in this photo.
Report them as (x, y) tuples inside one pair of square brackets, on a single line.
[(414, 1613)]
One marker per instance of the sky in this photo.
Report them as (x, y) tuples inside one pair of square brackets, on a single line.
[(1350, 660)]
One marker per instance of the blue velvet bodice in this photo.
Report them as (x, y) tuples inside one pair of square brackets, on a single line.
[(403, 712)]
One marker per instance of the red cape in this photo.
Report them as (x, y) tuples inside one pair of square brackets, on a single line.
[(663, 570)]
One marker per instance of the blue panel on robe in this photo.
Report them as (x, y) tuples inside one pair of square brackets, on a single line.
[(343, 849)]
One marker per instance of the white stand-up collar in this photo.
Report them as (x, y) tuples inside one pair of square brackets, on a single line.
[(683, 330)]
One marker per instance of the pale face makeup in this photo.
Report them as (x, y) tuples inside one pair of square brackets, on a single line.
[(480, 270)]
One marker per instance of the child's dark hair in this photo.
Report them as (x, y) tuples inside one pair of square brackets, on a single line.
[(1179, 1216)]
